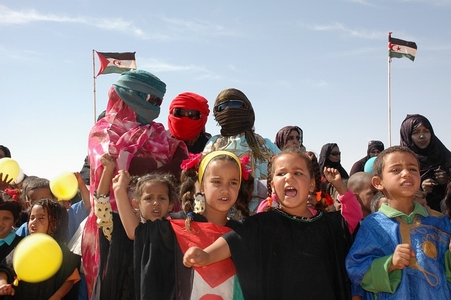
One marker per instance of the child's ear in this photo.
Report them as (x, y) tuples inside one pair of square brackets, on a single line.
[(312, 185), (135, 204), (377, 183), (171, 206)]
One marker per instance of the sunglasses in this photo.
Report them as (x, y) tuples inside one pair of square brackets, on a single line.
[(154, 100), (181, 112), (229, 103), (335, 153)]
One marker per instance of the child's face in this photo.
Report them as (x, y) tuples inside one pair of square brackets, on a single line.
[(6, 223), (400, 176), (154, 203), (221, 185), (39, 220), (37, 194), (292, 183)]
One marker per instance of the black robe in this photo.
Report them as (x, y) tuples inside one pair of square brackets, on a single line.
[(280, 258), (159, 270)]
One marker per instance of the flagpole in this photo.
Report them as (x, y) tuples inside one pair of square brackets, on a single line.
[(389, 96), (94, 78)]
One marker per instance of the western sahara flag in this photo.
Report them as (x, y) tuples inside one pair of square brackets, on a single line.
[(111, 62), (400, 48)]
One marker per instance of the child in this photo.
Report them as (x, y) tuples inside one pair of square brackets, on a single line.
[(160, 243), (401, 251), (9, 214), (49, 217), (38, 188), (360, 184), (289, 252)]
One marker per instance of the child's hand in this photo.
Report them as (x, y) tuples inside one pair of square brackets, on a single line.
[(107, 161), (401, 257), (79, 179), (195, 257), (6, 289), (121, 180), (332, 175), (5, 181)]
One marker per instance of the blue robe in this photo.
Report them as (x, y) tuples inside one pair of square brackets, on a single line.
[(425, 277)]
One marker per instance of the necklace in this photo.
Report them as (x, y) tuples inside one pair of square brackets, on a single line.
[(297, 218)]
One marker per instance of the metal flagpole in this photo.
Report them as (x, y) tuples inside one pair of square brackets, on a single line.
[(94, 77), (389, 97)]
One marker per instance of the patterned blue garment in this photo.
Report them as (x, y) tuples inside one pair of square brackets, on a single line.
[(427, 231)]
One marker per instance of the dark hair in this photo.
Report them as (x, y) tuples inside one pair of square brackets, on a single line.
[(167, 179), (5, 150), (12, 205), (378, 165), (187, 188), (58, 219)]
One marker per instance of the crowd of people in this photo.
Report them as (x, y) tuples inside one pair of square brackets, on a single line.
[(178, 213)]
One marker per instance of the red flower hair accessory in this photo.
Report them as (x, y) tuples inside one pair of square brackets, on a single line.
[(14, 193), (244, 169), (191, 162)]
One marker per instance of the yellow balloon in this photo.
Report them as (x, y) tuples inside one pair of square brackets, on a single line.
[(10, 167), (37, 258), (64, 186)]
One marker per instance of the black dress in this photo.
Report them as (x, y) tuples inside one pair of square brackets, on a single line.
[(277, 257)]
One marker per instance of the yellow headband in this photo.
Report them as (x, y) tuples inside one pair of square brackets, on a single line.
[(207, 159)]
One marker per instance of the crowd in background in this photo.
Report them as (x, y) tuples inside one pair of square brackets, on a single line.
[(157, 206)]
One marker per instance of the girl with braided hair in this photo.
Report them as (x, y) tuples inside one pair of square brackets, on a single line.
[(49, 217), (159, 245), (234, 113)]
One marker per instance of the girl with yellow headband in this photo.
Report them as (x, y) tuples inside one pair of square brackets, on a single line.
[(221, 181)]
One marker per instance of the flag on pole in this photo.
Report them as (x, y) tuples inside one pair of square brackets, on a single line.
[(400, 48), (111, 62)]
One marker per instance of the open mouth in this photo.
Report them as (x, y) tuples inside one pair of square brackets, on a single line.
[(290, 191)]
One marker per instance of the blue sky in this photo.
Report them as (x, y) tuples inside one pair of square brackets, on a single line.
[(321, 65)]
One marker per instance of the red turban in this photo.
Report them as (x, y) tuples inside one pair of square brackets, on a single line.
[(185, 128)]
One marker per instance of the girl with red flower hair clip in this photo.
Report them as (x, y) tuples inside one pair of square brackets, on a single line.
[(211, 186)]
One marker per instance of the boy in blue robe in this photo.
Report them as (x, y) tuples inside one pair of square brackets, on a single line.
[(402, 251)]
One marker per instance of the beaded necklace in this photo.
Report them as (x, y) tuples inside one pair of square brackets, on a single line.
[(299, 219)]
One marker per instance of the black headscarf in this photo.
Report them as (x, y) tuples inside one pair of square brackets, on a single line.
[(434, 155), (325, 162), (359, 166)]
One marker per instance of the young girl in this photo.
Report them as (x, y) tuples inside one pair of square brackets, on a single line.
[(9, 214), (289, 252), (160, 243), (115, 279), (49, 217)]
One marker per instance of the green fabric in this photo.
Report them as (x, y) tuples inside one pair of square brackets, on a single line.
[(237, 292), (448, 265), (391, 212), (378, 279)]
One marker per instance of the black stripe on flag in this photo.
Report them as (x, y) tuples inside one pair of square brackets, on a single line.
[(119, 56), (396, 41)]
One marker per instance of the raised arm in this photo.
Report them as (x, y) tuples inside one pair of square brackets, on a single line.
[(83, 191), (125, 209), (350, 207), (102, 206)]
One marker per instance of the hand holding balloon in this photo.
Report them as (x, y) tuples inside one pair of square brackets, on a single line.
[(37, 258)]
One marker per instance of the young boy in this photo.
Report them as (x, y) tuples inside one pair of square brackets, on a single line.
[(401, 251), (360, 184)]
